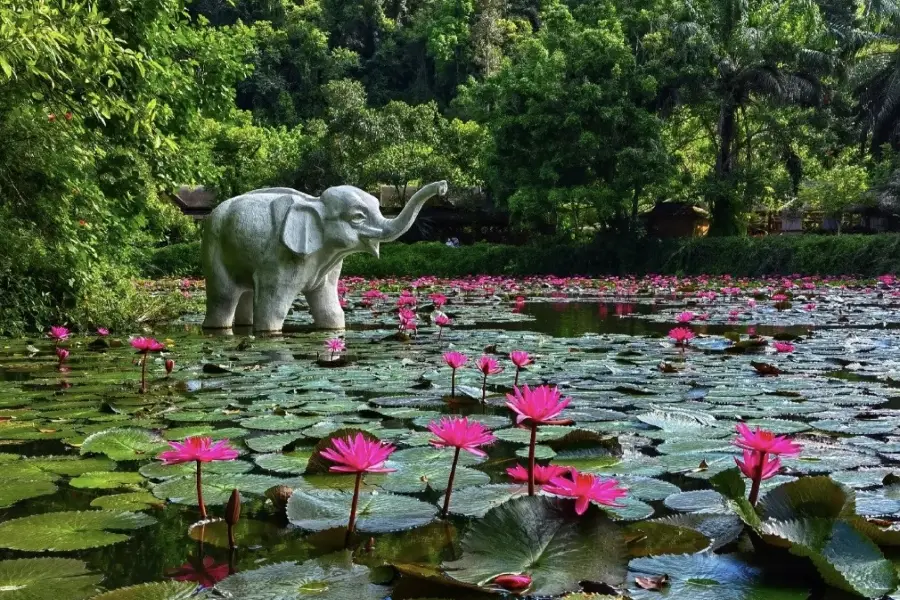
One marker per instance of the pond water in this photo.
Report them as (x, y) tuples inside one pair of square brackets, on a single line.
[(84, 494)]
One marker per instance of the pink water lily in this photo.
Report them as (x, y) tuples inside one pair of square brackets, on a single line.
[(359, 455), (521, 359), (102, 331), (461, 434), (58, 333), (455, 360), (199, 450), (681, 336), (586, 488), (758, 446), (442, 320), (540, 406), (488, 366), (145, 346), (513, 582), (542, 474), (783, 347), (685, 317), (335, 345)]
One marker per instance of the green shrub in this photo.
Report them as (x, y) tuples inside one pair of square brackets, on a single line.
[(866, 255)]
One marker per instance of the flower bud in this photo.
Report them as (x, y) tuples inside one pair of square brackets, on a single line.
[(170, 366), (513, 583), (233, 509)]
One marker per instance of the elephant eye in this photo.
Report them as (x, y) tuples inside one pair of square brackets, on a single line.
[(358, 218)]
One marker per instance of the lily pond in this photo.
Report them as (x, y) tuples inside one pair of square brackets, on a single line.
[(89, 510)]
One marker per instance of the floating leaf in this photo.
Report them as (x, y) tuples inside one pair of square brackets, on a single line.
[(333, 577), (106, 480), (36, 578), (16, 490), (132, 502), (124, 444), (217, 488), (64, 531), (317, 510), (163, 590), (545, 538)]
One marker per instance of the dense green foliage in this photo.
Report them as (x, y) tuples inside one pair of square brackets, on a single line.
[(864, 255), (574, 115)]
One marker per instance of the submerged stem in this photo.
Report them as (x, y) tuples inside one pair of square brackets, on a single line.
[(351, 525), (484, 388), (200, 492), (144, 373), (446, 509), (531, 459), (453, 384)]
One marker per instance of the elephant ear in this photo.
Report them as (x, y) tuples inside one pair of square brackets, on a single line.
[(302, 228)]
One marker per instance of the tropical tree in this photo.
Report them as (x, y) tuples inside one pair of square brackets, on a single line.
[(737, 52)]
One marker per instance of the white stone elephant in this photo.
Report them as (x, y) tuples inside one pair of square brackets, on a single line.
[(263, 248)]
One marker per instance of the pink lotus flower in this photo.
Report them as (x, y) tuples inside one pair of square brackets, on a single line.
[(454, 360), (58, 333), (809, 307), (681, 336), (783, 347), (685, 317), (459, 432), (145, 345), (334, 346), (462, 434), (586, 488), (358, 455), (488, 366), (102, 331), (441, 320), (61, 355), (751, 466), (438, 300), (542, 475), (199, 450), (765, 441), (757, 447), (513, 582), (779, 298), (539, 406), (521, 359)]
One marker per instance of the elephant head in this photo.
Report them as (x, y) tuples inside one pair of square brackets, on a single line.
[(346, 219)]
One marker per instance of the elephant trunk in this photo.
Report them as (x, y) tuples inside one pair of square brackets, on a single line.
[(394, 228)]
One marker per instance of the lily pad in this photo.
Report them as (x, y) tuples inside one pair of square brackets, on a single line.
[(124, 444), (217, 488), (65, 531), (36, 578), (317, 510), (545, 538), (163, 590), (107, 480), (332, 577), (132, 502)]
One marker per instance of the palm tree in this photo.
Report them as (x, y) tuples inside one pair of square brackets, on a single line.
[(735, 52), (876, 78)]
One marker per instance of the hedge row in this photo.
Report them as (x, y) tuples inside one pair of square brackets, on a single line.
[(866, 255)]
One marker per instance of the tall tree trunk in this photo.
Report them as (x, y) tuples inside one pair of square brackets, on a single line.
[(723, 202)]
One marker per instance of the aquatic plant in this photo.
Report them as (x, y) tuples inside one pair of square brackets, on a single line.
[(488, 366), (145, 346), (455, 360), (357, 455), (198, 450), (461, 434), (533, 408), (783, 347), (58, 333), (521, 359), (761, 444), (586, 488), (442, 320), (335, 345)]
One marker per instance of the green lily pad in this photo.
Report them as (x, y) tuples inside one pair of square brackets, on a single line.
[(217, 487), (132, 502), (125, 444), (107, 481), (162, 590), (317, 510), (65, 531), (279, 423), (36, 578), (157, 470), (272, 443), (332, 577), (477, 501), (294, 462), (546, 539), (16, 490)]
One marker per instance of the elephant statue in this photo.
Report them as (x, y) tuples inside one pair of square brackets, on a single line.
[(263, 248)]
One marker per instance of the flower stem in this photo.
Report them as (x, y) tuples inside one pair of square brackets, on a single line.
[(351, 525), (440, 331), (516, 382), (144, 373), (484, 388), (757, 480), (231, 542), (453, 384), (531, 459), (446, 509), (200, 491)]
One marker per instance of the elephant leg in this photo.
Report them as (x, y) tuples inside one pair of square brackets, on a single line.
[(271, 304), (325, 304), (221, 300), (244, 314)]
